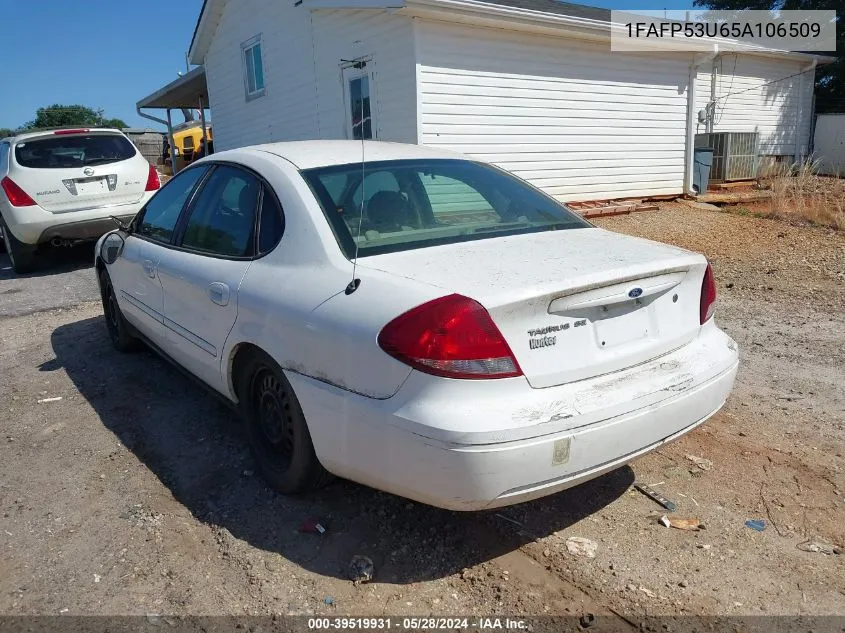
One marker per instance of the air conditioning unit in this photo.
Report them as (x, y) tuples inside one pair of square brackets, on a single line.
[(735, 154)]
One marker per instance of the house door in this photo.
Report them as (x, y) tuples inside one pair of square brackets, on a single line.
[(359, 99)]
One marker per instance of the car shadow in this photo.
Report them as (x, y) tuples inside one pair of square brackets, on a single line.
[(52, 261), (193, 443)]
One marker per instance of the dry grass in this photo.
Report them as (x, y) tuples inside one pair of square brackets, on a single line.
[(804, 195)]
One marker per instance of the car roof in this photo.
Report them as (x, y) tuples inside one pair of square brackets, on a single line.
[(310, 154)]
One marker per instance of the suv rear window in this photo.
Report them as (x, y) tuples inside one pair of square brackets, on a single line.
[(73, 150)]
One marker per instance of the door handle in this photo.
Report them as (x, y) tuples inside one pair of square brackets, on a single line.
[(149, 268), (218, 292)]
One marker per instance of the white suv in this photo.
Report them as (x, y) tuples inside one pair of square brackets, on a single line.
[(64, 186)]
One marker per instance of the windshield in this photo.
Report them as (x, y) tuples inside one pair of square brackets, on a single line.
[(73, 150), (411, 204)]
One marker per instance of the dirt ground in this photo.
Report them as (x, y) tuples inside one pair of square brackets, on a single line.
[(135, 493)]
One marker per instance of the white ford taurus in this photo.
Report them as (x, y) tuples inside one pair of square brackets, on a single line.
[(419, 322)]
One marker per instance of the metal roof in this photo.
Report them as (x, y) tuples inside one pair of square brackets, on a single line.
[(184, 92)]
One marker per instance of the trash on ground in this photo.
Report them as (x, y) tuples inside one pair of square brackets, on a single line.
[(703, 464), (580, 546), (361, 569), (652, 494), (312, 526), (817, 545), (43, 400), (647, 592), (587, 620), (756, 524), (679, 523), (328, 600)]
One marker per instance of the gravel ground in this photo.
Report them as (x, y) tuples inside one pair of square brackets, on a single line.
[(64, 280), (135, 494)]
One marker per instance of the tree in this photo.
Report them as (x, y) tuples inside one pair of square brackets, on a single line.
[(830, 78), (71, 115), (4, 132)]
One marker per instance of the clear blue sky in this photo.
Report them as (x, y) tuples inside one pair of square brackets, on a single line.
[(108, 54)]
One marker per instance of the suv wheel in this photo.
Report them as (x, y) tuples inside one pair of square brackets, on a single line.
[(21, 255)]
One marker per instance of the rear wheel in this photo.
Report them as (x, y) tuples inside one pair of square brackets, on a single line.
[(21, 255), (276, 428), (120, 332)]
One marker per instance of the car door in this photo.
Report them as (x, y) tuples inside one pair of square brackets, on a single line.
[(134, 274), (201, 276)]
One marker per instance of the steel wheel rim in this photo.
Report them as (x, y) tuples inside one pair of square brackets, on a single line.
[(274, 414)]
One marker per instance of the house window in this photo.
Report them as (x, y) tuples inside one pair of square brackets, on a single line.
[(253, 68), (359, 105)]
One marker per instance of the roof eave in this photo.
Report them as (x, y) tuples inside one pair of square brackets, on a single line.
[(477, 12), (207, 22)]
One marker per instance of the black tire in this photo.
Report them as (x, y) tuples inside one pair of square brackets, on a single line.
[(21, 255), (276, 428), (120, 332)]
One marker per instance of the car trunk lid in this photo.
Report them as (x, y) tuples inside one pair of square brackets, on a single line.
[(571, 304)]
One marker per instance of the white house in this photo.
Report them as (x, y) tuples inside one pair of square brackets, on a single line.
[(530, 85)]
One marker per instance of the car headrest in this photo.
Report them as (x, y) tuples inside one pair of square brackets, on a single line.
[(387, 211), (247, 198)]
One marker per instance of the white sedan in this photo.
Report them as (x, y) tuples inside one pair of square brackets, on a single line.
[(419, 322)]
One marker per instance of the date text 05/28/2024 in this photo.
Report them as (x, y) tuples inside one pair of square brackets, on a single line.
[(414, 624)]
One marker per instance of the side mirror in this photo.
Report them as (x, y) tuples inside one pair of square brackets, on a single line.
[(112, 247)]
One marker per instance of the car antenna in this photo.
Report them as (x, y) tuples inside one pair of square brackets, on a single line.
[(353, 285)]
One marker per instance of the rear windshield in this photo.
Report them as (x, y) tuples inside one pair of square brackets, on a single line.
[(411, 204), (76, 150)]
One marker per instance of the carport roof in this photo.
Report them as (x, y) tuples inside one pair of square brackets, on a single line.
[(184, 92)]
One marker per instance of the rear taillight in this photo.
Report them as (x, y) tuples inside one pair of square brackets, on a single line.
[(452, 336), (17, 196), (153, 182), (708, 295)]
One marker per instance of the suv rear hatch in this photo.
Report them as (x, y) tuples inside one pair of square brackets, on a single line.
[(571, 304), (69, 170)]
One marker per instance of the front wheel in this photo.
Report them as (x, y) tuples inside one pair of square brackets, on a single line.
[(276, 428), (21, 255), (119, 330)]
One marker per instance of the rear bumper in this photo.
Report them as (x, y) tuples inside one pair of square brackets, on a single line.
[(377, 443), (33, 225)]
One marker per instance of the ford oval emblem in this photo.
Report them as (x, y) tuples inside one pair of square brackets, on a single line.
[(635, 292)]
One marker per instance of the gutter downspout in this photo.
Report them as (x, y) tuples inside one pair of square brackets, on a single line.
[(696, 62), (799, 111)]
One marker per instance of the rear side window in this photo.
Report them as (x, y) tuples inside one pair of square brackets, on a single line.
[(222, 220), (73, 150), (159, 217)]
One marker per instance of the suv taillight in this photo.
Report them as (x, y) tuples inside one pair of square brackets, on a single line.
[(708, 295), (452, 336), (17, 196), (153, 183)]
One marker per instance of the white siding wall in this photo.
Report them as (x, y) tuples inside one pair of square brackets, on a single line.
[(829, 145), (763, 104), (287, 111), (389, 39), (571, 117)]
